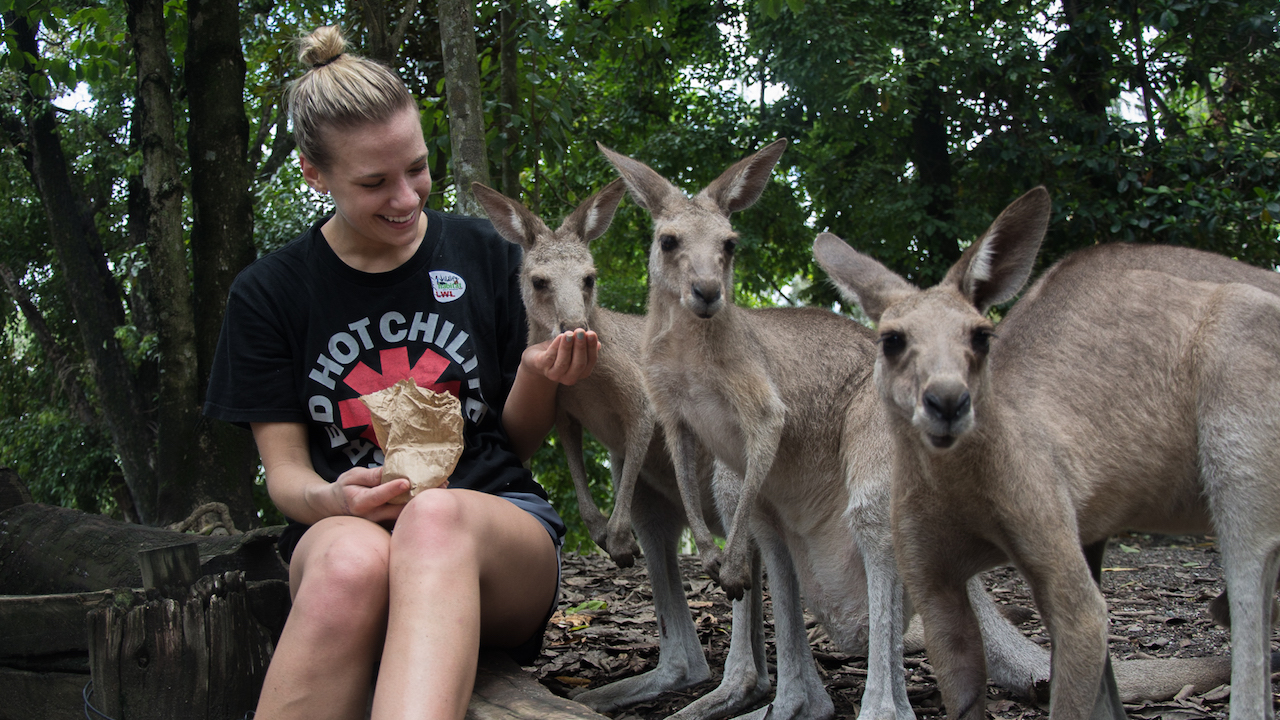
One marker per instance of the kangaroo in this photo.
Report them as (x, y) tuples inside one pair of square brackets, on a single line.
[(1132, 387), (755, 388), (557, 279)]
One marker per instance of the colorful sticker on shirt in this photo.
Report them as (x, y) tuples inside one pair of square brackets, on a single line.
[(447, 286)]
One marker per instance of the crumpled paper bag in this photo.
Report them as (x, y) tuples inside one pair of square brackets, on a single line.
[(420, 432)]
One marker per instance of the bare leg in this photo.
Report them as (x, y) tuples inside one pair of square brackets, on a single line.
[(323, 665), (466, 569), (462, 568)]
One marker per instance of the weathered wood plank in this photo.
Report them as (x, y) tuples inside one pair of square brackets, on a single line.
[(171, 569), (503, 691), (46, 624), (48, 696)]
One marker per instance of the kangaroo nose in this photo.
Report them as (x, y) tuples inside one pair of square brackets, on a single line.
[(567, 325), (948, 407), (706, 292)]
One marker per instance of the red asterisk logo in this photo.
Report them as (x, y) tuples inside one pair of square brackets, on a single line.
[(395, 367)]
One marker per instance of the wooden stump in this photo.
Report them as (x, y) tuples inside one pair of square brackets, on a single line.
[(201, 657)]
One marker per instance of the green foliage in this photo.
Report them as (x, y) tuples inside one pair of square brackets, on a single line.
[(911, 125), (63, 461)]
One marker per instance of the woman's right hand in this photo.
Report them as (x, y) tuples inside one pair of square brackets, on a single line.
[(304, 496), (360, 492)]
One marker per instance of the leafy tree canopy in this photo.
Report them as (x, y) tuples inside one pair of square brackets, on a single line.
[(912, 123)]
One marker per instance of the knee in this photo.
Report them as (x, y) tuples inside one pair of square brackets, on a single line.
[(345, 579), (433, 525)]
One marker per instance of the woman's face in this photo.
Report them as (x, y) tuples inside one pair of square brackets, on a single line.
[(379, 182)]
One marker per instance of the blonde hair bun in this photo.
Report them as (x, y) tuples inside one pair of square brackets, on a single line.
[(339, 91), (321, 47)]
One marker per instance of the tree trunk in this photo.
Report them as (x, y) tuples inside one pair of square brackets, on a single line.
[(178, 409), (221, 236), (466, 113), (509, 93), (1086, 55), (95, 299), (932, 160), (383, 41)]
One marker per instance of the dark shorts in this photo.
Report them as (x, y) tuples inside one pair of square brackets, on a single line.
[(541, 510)]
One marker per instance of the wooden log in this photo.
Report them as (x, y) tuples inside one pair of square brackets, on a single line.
[(202, 656), (503, 691), (47, 696), (47, 550), (42, 626)]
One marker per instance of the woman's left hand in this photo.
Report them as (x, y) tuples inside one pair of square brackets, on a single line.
[(566, 358)]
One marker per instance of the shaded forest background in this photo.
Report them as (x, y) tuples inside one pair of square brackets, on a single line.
[(146, 159)]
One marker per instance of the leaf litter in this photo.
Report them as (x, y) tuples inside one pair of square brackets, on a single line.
[(1157, 589)]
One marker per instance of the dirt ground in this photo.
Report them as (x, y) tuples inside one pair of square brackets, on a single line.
[(1157, 589)]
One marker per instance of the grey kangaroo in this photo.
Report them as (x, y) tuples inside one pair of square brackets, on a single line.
[(557, 279), (757, 388), (1132, 387)]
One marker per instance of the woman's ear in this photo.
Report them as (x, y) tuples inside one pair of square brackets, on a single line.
[(311, 174)]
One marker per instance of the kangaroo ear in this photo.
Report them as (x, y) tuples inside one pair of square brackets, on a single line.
[(511, 219), (592, 217), (996, 267), (860, 278), (739, 187), (650, 190)]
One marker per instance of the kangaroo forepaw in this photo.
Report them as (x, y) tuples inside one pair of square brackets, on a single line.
[(735, 575), (622, 549), (711, 563), (624, 558), (598, 529)]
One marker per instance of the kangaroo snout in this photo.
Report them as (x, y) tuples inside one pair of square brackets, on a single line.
[(575, 324), (946, 407), (945, 412), (706, 297)]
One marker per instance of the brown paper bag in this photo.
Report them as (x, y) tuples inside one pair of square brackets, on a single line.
[(420, 432)]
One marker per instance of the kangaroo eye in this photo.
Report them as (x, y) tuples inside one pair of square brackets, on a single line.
[(589, 282), (892, 344), (668, 243), (540, 283), (981, 340), (729, 246)]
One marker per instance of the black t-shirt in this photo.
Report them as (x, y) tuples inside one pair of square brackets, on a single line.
[(305, 335)]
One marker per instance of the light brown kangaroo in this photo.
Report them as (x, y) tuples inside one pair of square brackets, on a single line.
[(558, 286), (557, 279), (1132, 387), (755, 388)]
